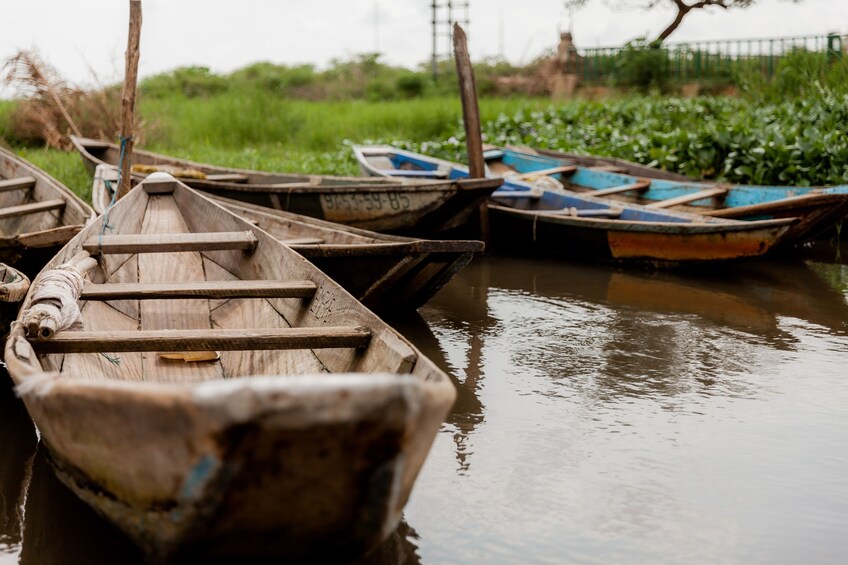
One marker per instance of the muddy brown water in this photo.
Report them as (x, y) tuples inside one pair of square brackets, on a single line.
[(603, 416)]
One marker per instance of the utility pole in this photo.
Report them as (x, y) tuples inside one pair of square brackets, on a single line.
[(446, 13)]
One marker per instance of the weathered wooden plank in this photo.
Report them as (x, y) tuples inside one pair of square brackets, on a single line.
[(19, 183), (163, 216), (686, 198), (640, 185), (561, 170), (227, 177), (171, 242), (205, 340), (199, 289), (517, 194), (577, 213), (303, 241), (31, 208)]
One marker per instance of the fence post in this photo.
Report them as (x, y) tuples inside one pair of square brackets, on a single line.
[(834, 47)]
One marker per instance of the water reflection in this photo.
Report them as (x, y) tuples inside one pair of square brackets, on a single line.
[(17, 441)]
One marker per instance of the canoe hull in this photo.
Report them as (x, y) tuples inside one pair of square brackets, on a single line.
[(657, 245), (404, 209), (394, 206), (265, 484), (306, 446)]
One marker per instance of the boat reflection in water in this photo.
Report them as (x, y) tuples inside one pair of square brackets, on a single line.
[(17, 442)]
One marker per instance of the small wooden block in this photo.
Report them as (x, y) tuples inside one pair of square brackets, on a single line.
[(199, 289), (19, 183), (159, 187), (32, 208), (170, 242), (205, 340)]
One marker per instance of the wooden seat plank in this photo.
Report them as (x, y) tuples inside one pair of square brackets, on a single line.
[(204, 340), (577, 213), (535, 195), (639, 185), (171, 242), (199, 289), (18, 183), (686, 198), (561, 170), (31, 208)]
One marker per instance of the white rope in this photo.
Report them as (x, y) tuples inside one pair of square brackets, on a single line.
[(55, 301)]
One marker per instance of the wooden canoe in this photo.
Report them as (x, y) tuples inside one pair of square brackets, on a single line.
[(302, 433), (398, 206), (530, 219), (38, 214), (817, 208), (387, 273)]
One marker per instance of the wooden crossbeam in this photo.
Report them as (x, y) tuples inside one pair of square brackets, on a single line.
[(31, 208), (18, 183), (170, 242), (608, 169), (639, 185), (535, 195), (199, 289), (578, 213), (686, 198), (204, 340), (561, 170)]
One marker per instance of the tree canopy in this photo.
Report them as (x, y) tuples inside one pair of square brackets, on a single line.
[(683, 7)]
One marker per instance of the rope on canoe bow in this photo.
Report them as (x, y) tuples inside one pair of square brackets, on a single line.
[(114, 191)]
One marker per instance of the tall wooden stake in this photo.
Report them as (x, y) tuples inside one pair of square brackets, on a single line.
[(470, 117), (128, 96)]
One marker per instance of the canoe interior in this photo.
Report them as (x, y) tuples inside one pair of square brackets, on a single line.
[(541, 201), (163, 214), (29, 233)]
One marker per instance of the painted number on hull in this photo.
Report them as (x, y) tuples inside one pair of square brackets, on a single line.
[(357, 201)]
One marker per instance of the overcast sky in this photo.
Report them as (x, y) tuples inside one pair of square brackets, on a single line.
[(78, 37)]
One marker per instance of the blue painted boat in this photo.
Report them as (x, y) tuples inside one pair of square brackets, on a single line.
[(817, 208), (553, 221)]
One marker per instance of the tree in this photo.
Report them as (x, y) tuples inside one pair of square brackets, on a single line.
[(681, 6)]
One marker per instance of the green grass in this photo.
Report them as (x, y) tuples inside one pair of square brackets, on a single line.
[(64, 166), (258, 132)]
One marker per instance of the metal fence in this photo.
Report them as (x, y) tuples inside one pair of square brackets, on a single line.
[(704, 60)]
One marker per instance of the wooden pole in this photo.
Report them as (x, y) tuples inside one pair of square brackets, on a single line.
[(128, 96), (470, 117)]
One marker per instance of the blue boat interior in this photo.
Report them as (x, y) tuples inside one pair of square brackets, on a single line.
[(586, 178), (548, 201)]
